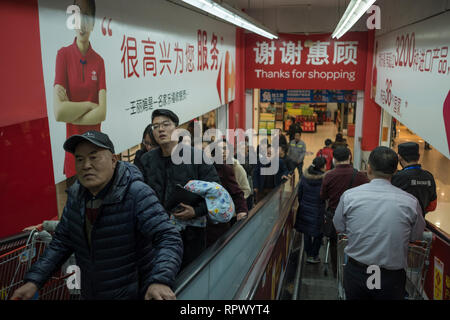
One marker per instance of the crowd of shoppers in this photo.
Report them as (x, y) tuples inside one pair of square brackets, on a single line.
[(378, 211)]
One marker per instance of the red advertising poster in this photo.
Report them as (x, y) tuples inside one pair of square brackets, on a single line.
[(306, 61)]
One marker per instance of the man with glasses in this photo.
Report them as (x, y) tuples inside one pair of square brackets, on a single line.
[(163, 175)]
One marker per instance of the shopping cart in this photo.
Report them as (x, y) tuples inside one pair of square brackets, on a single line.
[(327, 252), (341, 262), (418, 262), (15, 263)]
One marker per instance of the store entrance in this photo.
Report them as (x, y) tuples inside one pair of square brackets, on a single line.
[(321, 114)]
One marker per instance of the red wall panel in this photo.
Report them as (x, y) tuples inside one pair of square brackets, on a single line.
[(22, 81), (372, 111), (440, 248), (236, 111), (27, 193)]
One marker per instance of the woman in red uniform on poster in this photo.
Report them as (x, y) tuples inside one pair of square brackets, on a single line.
[(79, 93)]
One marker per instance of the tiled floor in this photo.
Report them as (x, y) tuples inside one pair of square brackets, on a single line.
[(316, 141)]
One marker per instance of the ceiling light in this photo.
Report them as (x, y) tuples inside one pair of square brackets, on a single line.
[(355, 9), (232, 15)]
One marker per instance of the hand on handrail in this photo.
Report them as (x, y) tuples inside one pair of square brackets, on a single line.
[(241, 215), (37, 227)]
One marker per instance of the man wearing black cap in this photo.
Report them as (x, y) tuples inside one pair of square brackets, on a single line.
[(413, 179), (163, 176), (293, 128), (335, 183), (379, 220), (124, 244)]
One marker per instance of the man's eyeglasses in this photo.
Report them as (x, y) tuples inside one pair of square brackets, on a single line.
[(165, 124)]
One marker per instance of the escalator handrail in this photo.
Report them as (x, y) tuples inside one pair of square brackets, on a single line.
[(192, 270), (250, 283)]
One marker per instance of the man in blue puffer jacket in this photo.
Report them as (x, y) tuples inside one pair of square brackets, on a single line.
[(123, 242)]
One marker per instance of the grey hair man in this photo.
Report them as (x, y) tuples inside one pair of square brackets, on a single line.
[(124, 244), (379, 220)]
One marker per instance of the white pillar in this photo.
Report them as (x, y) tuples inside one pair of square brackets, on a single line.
[(358, 130), (256, 109), (222, 118), (385, 129), (248, 109)]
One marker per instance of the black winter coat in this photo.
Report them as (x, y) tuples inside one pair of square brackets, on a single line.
[(133, 244), (311, 209), (295, 127), (163, 175), (259, 179), (138, 156)]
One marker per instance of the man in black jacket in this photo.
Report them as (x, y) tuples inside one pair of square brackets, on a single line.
[(290, 165), (163, 175), (123, 242), (293, 128), (413, 179)]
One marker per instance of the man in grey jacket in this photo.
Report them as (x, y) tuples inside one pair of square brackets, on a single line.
[(297, 151)]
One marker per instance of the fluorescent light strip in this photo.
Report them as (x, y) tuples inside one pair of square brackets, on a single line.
[(355, 10), (364, 6), (353, 5), (222, 13), (350, 8)]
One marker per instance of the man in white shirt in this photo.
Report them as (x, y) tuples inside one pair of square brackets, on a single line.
[(379, 220)]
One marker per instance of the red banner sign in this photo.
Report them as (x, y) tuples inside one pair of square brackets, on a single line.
[(306, 62)]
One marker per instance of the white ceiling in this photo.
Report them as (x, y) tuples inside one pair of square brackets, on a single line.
[(263, 4), (322, 16), (295, 16)]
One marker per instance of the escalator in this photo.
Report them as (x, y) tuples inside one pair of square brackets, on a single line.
[(250, 261)]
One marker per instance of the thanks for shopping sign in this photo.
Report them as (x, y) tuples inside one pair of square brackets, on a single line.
[(306, 62), (411, 78)]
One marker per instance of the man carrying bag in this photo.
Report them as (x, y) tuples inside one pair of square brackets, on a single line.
[(328, 227)]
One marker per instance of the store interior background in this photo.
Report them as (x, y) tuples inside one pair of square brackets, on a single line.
[(276, 115)]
